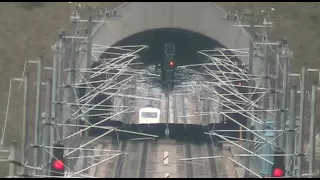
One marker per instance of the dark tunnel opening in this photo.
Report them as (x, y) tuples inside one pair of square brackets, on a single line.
[(187, 45)]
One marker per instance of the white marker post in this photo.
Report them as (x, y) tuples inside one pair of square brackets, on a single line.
[(165, 157), (166, 162)]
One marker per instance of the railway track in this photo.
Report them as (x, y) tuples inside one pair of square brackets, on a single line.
[(200, 168), (160, 158), (130, 164), (187, 149), (156, 159), (106, 169)]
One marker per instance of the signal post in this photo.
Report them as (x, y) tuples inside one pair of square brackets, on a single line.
[(167, 75), (168, 67), (278, 167), (57, 165)]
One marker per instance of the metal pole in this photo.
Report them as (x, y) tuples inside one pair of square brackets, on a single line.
[(277, 97), (72, 90), (72, 95), (291, 132), (265, 102), (12, 158), (72, 98), (167, 113), (37, 134), (89, 54), (46, 128), (251, 48), (284, 98), (312, 144), (54, 82), (25, 122), (59, 108), (301, 125), (89, 39)]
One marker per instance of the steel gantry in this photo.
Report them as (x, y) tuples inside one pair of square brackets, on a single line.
[(225, 87)]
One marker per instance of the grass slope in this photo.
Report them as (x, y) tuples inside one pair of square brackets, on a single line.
[(26, 31)]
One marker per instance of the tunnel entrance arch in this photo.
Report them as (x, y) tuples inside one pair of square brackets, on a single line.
[(199, 17), (201, 22), (187, 46), (163, 20)]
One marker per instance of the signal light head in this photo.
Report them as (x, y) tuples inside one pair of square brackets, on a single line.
[(278, 172), (240, 83), (58, 165), (171, 63)]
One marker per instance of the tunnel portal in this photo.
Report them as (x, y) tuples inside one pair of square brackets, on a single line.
[(187, 44)]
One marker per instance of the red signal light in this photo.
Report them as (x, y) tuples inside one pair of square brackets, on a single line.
[(278, 172), (58, 165), (171, 63), (240, 83)]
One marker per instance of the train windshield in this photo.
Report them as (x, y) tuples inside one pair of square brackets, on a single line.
[(149, 115)]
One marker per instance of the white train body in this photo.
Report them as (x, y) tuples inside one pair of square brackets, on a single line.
[(149, 115)]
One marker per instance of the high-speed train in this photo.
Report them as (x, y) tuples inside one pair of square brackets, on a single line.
[(149, 115)]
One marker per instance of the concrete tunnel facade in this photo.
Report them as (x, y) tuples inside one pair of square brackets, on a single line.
[(199, 17), (202, 18)]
